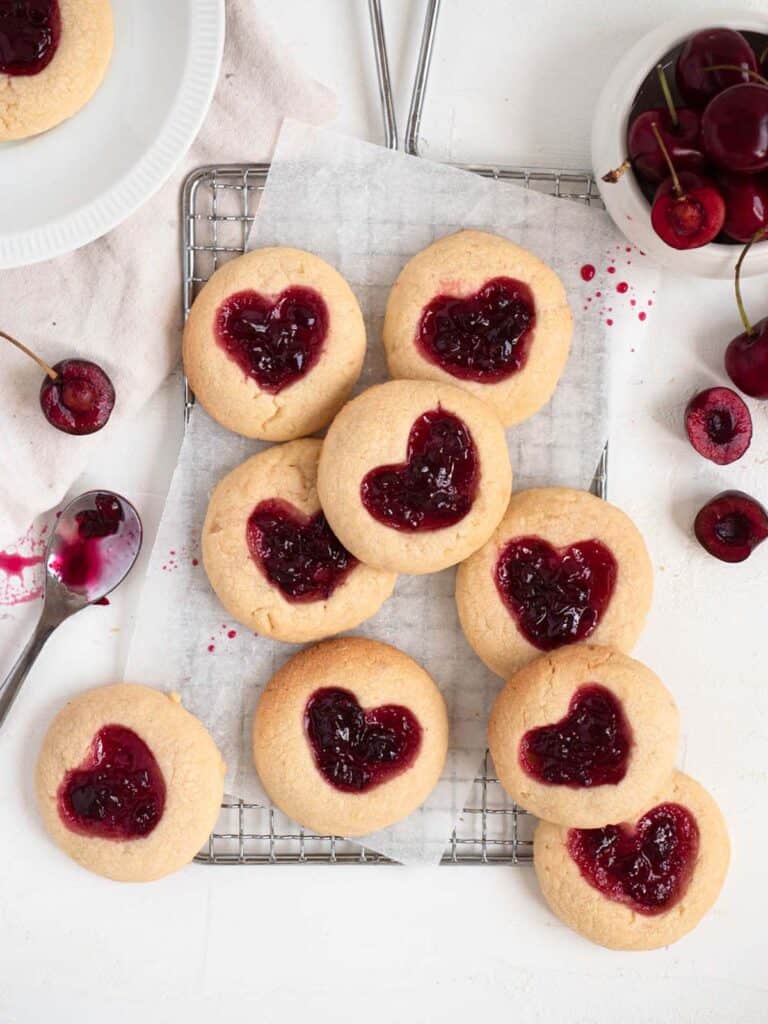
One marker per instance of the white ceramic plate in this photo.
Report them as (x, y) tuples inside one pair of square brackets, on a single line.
[(624, 201), (72, 184)]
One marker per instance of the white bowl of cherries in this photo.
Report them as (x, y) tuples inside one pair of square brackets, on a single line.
[(680, 143)]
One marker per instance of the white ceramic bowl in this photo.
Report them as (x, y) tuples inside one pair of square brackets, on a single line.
[(62, 189), (624, 201)]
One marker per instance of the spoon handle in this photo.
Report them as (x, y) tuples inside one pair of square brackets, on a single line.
[(15, 678)]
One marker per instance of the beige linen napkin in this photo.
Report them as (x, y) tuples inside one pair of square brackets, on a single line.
[(117, 300)]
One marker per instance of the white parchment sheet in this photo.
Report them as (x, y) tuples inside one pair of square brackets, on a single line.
[(367, 211)]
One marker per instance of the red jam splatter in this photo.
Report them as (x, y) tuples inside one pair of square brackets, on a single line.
[(622, 287), (483, 337), (641, 316), (211, 648), (356, 750), (118, 792), (609, 323), (21, 576), (611, 270), (588, 747), (277, 341), (300, 555), (29, 35), (435, 487), (587, 272), (232, 633), (556, 596), (647, 868), (195, 562)]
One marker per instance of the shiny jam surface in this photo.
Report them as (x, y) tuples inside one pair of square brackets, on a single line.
[(275, 341), (588, 747), (356, 750), (29, 35), (647, 867), (300, 555), (557, 597), (483, 337), (78, 561), (118, 792), (436, 485)]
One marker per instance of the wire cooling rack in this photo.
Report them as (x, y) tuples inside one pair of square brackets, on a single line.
[(219, 205)]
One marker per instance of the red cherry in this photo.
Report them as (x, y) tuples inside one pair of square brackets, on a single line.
[(731, 526), (746, 358), (713, 46), (682, 142), (718, 425), (734, 128), (746, 205), (687, 211)]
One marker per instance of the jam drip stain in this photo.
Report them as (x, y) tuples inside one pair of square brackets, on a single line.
[(29, 35), (118, 792), (435, 487), (78, 562), (588, 747), (300, 555), (275, 342), (484, 337), (648, 868), (356, 750), (557, 597)]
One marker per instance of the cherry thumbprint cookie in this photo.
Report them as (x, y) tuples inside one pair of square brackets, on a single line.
[(414, 476), (477, 311), (562, 567), (272, 558), (274, 343), (129, 784), (350, 736)]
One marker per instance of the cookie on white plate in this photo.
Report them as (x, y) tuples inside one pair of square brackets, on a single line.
[(53, 58)]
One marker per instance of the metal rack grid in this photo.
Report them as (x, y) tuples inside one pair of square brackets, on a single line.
[(219, 205)]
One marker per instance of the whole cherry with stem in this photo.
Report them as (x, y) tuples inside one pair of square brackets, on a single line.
[(76, 395), (711, 61), (746, 357), (687, 211), (680, 129)]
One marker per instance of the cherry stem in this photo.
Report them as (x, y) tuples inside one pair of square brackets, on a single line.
[(613, 176), (763, 55), (667, 95), (43, 366), (738, 67), (665, 153), (737, 280)]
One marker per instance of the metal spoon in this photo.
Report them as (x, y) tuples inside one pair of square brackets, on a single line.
[(81, 568)]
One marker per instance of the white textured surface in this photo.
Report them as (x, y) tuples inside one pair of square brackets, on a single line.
[(367, 211), (444, 945)]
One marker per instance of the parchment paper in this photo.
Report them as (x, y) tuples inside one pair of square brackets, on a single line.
[(367, 211)]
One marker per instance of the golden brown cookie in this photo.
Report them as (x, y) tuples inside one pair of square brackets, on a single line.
[(274, 343), (414, 476), (271, 557), (641, 884), (129, 783), (563, 566), (350, 736), (53, 58), (584, 736), (475, 310)]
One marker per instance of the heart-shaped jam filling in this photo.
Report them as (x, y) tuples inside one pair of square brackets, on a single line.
[(354, 749), (435, 486), (29, 35), (588, 747), (300, 555), (647, 867), (557, 596), (118, 792), (483, 337), (274, 341)]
